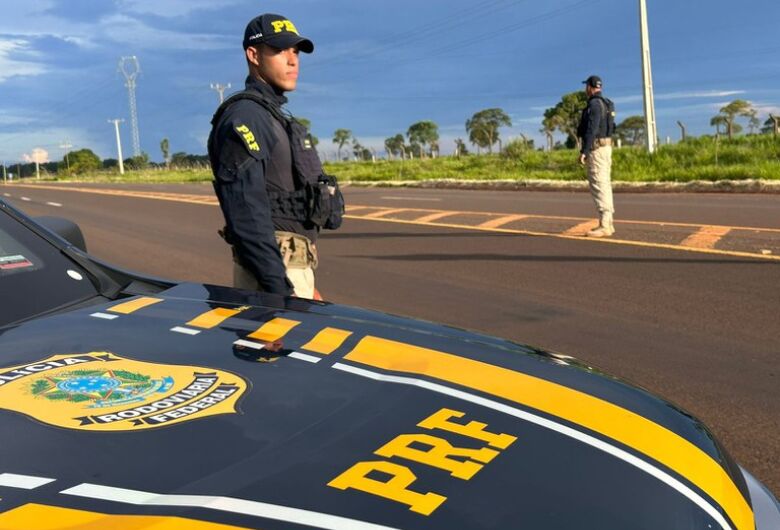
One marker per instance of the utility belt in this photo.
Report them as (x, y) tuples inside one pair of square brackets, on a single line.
[(602, 142)]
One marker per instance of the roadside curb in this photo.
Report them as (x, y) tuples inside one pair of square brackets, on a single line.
[(697, 186)]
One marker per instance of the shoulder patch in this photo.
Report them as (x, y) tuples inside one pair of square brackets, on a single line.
[(249, 138)]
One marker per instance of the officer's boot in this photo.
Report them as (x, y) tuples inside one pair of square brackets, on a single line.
[(606, 228)]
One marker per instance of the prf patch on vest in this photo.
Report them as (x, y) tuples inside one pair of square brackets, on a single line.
[(284, 25), (249, 138)]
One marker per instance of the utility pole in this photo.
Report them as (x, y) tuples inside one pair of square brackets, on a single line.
[(65, 146), (220, 90), (130, 69), (5, 174), (682, 128), (647, 80), (116, 123)]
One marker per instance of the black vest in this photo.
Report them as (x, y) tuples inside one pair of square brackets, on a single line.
[(316, 201)]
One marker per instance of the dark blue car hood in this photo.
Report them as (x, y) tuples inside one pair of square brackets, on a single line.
[(209, 407)]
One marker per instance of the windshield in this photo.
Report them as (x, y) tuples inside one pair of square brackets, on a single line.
[(35, 276)]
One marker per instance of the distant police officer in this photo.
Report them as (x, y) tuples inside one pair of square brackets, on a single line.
[(596, 128), (267, 176)]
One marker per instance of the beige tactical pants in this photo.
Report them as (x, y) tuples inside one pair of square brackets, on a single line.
[(300, 260), (600, 178)]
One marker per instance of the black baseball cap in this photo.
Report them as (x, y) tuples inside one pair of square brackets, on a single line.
[(593, 81), (276, 31)]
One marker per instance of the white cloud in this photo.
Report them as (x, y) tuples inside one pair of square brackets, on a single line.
[(173, 8), (38, 155), (12, 67), (765, 109), (683, 95), (14, 145), (128, 31)]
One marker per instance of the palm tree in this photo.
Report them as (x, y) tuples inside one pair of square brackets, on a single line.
[(341, 137)]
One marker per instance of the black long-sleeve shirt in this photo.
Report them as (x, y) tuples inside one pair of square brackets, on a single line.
[(593, 123)]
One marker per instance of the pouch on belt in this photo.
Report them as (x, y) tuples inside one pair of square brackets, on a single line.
[(298, 252)]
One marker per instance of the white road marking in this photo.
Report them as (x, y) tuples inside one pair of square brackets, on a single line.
[(420, 199), (7, 194), (553, 426), (25, 482), (225, 504), (185, 331), (26, 199), (304, 357), (55, 204), (249, 344), (104, 316)]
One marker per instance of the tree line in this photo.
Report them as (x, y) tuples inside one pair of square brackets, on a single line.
[(422, 138)]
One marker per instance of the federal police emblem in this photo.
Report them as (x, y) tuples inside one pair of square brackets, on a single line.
[(100, 391)]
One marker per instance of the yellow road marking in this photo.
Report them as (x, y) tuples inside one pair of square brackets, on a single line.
[(41, 517), (327, 341), (501, 221), (706, 237), (382, 213), (274, 329), (611, 241), (582, 228), (379, 216), (214, 318), (353, 208), (175, 197), (132, 306), (624, 426), (434, 217)]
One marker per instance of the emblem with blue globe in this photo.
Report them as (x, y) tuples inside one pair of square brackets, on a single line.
[(103, 388)]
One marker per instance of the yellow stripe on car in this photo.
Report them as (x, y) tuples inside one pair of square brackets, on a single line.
[(41, 517), (132, 306), (585, 410), (214, 318), (274, 329), (327, 341)]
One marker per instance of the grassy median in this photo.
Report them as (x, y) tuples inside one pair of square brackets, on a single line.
[(699, 159)]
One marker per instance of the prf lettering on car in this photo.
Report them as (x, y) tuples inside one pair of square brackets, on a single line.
[(438, 453), (284, 25), (249, 137)]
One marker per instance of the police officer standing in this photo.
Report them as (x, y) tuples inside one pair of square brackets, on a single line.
[(597, 125), (267, 176)]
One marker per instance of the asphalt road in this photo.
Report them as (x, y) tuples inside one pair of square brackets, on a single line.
[(702, 330)]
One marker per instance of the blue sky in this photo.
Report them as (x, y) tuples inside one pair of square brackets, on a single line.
[(378, 66)]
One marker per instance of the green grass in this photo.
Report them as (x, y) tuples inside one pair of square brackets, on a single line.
[(747, 157), (697, 159)]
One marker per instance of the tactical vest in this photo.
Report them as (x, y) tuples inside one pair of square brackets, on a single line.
[(317, 197), (609, 115)]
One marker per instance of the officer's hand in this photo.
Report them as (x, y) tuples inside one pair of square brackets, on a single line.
[(583, 159)]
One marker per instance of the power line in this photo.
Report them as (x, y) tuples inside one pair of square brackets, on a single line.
[(425, 32)]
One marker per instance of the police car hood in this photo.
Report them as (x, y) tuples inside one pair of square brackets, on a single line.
[(208, 407)]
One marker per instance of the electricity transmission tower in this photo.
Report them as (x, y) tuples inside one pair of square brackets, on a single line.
[(647, 81), (220, 90), (130, 69)]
